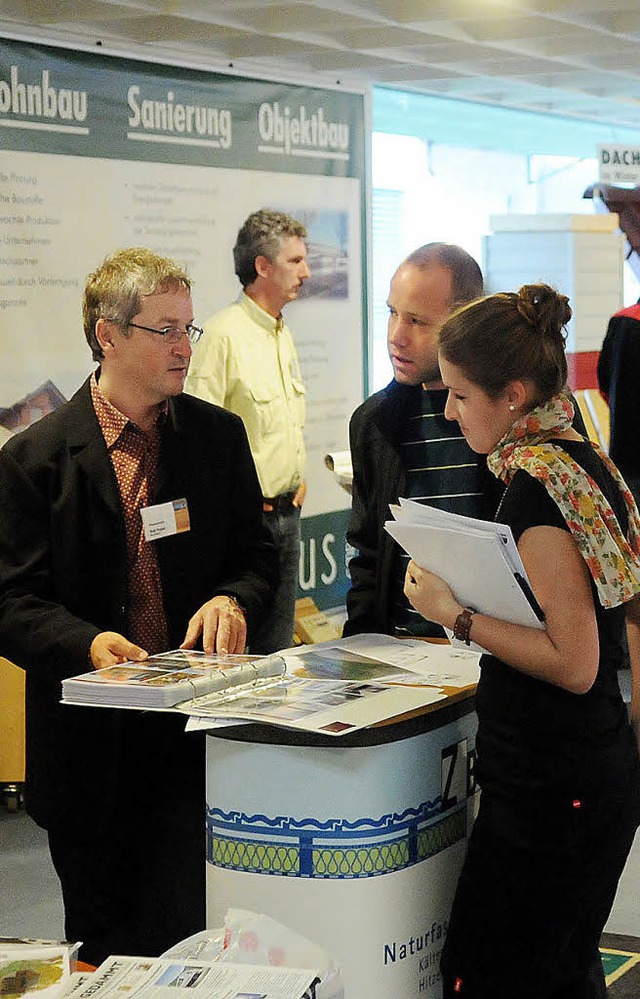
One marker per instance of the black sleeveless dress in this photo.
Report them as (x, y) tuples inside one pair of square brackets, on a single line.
[(560, 781)]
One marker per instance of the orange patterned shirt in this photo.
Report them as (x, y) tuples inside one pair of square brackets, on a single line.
[(134, 455)]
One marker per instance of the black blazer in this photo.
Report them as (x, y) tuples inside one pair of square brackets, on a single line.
[(63, 579)]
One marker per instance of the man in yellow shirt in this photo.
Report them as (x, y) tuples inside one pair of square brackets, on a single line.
[(247, 363)]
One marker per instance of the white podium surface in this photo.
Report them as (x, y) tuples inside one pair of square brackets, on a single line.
[(357, 847)]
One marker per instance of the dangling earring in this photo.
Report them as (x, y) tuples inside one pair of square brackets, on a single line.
[(512, 408)]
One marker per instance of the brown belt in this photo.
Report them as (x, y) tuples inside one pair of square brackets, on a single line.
[(281, 503)]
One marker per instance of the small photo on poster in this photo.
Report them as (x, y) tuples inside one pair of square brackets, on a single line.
[(327, 252)]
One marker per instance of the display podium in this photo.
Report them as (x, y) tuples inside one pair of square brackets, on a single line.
[(356, 842)]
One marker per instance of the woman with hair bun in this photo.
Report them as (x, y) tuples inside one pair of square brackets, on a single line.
[(557, 760)]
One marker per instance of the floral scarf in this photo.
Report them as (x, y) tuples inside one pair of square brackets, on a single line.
[(612, 559)]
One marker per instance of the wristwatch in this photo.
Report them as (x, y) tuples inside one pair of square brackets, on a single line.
[(462, 626)]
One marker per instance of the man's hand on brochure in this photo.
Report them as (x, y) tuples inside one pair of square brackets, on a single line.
[(223, 627), (109, 648)]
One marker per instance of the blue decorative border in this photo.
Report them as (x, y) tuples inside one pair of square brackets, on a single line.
[(331, 848)]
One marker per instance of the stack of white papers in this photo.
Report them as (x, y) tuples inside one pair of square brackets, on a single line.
[(478, 559)]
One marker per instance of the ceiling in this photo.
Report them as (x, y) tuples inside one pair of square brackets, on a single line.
[(575, 58)]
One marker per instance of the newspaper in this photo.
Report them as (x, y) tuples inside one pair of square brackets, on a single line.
[(150, 978), (253, 938), (76, 981)]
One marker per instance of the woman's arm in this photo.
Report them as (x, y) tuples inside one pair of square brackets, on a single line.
[(567, 652)]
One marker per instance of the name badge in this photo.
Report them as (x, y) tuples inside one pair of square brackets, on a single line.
[(164, 519)]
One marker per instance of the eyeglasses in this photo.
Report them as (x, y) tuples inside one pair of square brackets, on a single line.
[(171, 334)]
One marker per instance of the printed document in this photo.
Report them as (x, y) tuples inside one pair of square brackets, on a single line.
[(344, 684), (151, 978), (478, 559)]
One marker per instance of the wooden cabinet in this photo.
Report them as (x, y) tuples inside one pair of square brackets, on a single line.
[(12, 727)]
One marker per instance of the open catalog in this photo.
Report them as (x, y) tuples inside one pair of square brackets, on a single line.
[(477, 558), (341, 685), (168, 678)]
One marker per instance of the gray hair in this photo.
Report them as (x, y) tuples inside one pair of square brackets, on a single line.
[(262, 235)]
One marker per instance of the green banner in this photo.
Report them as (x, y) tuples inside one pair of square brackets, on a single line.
[(58, 101), (324, 558)]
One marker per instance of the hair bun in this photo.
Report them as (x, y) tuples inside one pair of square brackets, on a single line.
[(545, 309)]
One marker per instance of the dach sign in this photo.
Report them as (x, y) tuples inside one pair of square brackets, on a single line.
[(619, 164)]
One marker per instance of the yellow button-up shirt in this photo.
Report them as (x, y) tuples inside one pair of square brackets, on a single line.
[(247, 363)]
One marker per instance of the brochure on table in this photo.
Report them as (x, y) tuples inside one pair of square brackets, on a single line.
[(35, 969), (344, 684)]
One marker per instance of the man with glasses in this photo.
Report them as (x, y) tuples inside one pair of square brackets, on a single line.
[(247, 362), (83, 583)]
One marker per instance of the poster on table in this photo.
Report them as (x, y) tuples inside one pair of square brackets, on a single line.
[(101, 152)]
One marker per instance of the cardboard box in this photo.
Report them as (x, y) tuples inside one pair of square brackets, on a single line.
[(311, 625)]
